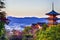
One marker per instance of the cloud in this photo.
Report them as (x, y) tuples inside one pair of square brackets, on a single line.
[(14, 26)]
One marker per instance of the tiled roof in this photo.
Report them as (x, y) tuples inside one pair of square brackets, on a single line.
[(53, 13)]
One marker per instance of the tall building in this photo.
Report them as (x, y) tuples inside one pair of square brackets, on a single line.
[(52, 19)]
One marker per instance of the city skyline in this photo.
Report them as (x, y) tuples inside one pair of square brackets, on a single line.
[(26, 8)]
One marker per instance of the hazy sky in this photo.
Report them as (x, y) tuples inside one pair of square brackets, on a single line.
[(37, 8)]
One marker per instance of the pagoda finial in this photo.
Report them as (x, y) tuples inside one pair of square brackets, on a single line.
[(52, 5)]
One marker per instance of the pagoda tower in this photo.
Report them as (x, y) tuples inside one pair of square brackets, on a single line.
[(52, 19)]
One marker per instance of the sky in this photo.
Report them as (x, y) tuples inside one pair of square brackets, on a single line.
[(28, 8)]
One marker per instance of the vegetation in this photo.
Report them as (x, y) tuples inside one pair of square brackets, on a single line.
[(51, 33), (27, 35), (2, 27), (2, 21), (27, 29)]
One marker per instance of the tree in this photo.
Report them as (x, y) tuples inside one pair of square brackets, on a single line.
[(27, 35), (51, 33), (2, 4), (44, 26), (2, 21), (27, 29)]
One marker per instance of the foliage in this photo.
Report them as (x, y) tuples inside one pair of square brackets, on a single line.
[(27, 29), (51, 33), (44, 26), (2, 21), (2, 30), (27, 37)]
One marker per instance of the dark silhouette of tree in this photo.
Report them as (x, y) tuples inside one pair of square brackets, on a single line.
[(2, 4), (3, 20)]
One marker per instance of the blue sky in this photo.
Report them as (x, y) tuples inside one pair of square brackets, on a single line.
[(22, 8)]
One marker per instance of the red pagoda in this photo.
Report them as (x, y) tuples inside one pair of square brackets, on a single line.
[(52, 19)]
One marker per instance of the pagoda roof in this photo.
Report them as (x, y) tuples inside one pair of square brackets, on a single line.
[(53, 13)]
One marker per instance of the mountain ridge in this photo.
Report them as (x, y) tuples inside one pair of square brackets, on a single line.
[(27, 20)]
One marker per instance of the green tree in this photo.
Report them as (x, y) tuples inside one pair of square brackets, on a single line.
[(2, 21), (27, 35), (44, 26), (27, 29), (51, 33)]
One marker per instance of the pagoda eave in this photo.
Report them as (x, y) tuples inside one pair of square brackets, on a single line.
[(52, 14)]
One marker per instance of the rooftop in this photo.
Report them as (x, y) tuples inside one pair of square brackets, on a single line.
[(53, 13)]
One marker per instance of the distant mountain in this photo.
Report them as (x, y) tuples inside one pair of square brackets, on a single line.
[(20, 23), (27, 20)]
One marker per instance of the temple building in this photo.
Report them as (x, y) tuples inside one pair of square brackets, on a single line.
[(52, 19)]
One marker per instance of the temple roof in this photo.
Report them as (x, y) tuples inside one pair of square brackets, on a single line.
[(53, 13)]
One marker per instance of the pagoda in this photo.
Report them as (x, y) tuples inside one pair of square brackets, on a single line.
[(52, 19)]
